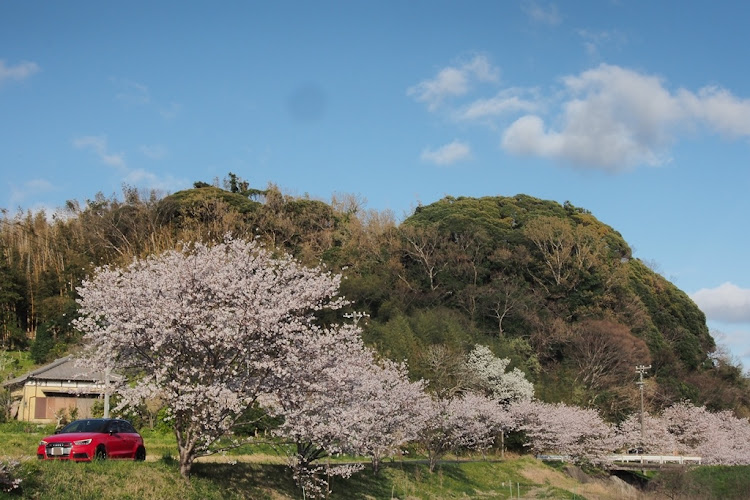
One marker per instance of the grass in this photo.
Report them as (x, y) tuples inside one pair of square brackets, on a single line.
[(159, 444), (14, 363), (259, 472), (706, 483), (133, 480), (408, 480), (161, 479)]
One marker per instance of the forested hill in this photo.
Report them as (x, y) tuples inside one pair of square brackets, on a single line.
[(544, 284)]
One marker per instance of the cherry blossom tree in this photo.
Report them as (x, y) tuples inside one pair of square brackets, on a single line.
[(719, 438), (568, 430), (436, 435), (689, 425), (489, 376), (728, 442), (469, 421), (209, 330), (477, 420), (319, 403), (391, 411), (348, 401), (656, 436)]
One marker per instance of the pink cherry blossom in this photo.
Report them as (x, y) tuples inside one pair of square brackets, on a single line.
[(208, 329)]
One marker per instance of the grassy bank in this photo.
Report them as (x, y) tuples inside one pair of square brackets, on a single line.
[(523, 476), (161, 479)]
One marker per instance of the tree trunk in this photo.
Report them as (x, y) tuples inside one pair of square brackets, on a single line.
[(186, 463), (185, 470), (186, 449), (433, 458)]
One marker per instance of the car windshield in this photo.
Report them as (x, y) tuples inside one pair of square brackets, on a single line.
[(93, 425)]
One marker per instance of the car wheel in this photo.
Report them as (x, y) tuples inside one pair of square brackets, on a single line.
[(140, 454), (101, 453)]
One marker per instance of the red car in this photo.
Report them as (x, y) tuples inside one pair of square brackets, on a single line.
[(93, 438)]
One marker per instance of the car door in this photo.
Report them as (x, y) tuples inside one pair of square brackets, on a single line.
[(131, 437), (116, 443)]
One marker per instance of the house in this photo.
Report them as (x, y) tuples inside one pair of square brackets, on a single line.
[(44, 394)]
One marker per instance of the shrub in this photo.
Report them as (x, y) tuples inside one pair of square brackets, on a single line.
[(9, 480)]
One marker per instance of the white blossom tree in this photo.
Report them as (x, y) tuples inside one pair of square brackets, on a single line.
[(208, 329), (318, 405), (490, 375)]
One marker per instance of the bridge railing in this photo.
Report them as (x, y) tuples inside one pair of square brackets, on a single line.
[(632, 458), (655, 459)]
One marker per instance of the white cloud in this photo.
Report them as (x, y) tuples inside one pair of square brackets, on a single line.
[(481, 68), (505, 102), (607, 118), (539, 14), (19, 72), (527, 136), (447, 155), (718, 109), (135, 177), (727, 302), (453, 81), (98, 145), (149, 180), (614, 118)]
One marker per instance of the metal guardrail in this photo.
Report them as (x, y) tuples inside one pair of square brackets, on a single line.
[(628, 458), (655, 459)]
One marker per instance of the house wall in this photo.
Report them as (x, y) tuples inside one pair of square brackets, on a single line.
[(40, 400)]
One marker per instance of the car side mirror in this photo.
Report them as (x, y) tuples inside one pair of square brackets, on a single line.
[(111, 432)]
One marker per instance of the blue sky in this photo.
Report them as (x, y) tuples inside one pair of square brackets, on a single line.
[(638, 111)]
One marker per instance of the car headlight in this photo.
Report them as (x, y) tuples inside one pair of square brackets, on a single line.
[(82, 441), (42, 443)]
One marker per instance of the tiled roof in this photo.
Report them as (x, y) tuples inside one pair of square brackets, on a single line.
[(63, 369)]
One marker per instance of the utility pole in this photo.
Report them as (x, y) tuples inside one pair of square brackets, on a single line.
[(641, 369)]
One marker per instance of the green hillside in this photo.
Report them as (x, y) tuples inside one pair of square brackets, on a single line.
[(544, 284), (557, 291)]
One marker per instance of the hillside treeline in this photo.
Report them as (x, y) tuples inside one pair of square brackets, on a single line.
[(546, 285)]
